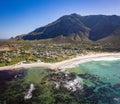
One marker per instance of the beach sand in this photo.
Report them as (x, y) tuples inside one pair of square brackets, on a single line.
[(68, 63)]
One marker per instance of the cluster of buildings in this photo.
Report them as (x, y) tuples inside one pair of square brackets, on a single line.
[(38, 52)]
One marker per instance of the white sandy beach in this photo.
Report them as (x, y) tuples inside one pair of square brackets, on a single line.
[(68, 63)]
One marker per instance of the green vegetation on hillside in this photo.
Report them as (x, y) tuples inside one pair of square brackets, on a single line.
[(21, 51)]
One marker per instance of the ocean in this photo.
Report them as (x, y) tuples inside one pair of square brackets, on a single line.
[(108, 71), (99, 83), (102, 78)]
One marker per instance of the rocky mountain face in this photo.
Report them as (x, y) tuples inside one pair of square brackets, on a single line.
[(77, 27)]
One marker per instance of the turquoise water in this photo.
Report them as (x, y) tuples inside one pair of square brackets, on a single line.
[(108, 71), (101, 81), (101, 85)]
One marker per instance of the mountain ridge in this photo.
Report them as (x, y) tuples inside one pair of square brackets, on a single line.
[(92, 27)]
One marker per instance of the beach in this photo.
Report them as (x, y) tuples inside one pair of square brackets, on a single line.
[(91, 75), (70, 63)]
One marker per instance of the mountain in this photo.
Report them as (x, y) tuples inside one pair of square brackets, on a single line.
[(77, 27), (101, 26)]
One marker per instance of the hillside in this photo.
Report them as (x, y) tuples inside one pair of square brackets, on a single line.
[(77, 27)]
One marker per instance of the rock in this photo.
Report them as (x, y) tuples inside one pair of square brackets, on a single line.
[(28, 95)]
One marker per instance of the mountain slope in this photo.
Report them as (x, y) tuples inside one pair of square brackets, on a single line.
[(76, 27), (101, 26), (65, 26), (113, 38)]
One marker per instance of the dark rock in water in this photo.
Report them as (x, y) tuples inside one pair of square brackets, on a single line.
[(67, 80), (101, 92), (106, 91), (6, 75), (88, 91), (60, 86), (62, 76), (117, 85)]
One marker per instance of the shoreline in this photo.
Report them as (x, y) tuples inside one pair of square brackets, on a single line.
[(70, 63)]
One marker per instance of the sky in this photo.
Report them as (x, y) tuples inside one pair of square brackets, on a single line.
[(23, 16)]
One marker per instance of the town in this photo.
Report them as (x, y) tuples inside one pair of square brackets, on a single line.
[(18, 52)]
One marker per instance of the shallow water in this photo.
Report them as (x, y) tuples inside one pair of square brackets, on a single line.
[(108, 71), (100, 85), (103, 79)]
